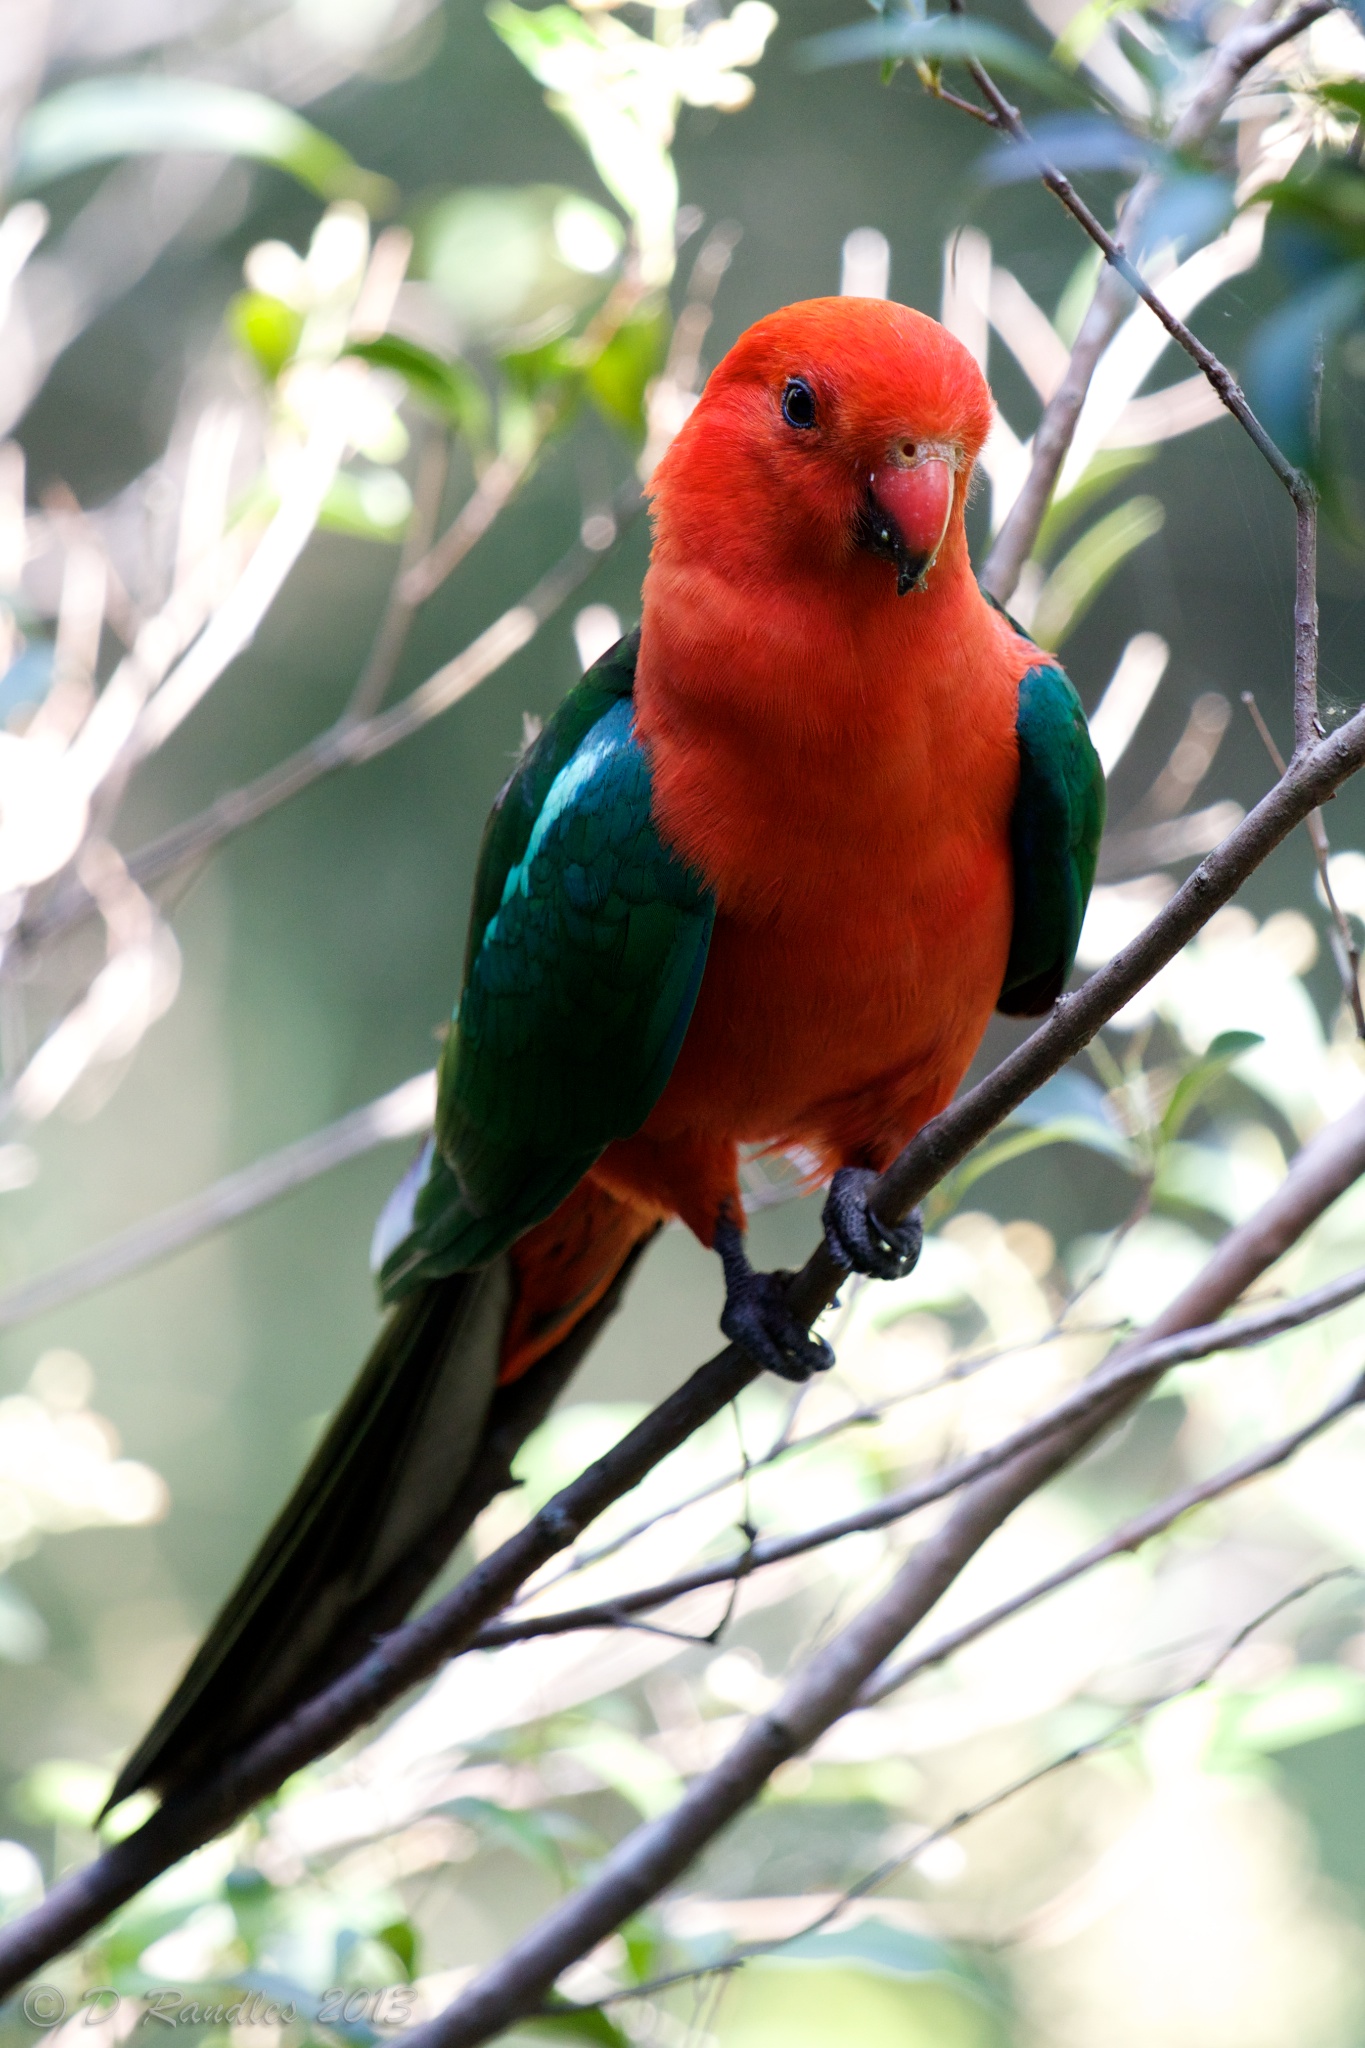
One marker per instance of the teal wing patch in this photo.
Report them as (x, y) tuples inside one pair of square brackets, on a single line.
[(586, 951), (1054, 838)]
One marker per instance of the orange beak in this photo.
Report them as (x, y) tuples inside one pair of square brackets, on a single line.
[(911, 506)]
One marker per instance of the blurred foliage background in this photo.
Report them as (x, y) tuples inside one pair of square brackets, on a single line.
[(182, 267)]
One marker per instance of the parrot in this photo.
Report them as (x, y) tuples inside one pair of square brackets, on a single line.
[(760, 882)]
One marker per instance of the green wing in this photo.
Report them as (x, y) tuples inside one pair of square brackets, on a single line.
[(586, 949), (1054, 837)]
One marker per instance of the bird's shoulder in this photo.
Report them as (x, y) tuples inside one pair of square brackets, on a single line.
[(521, 802)]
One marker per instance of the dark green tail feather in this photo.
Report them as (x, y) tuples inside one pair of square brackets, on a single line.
[(423, 1442)]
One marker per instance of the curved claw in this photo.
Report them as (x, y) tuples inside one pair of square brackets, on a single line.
[(884, 1251), (758, 1317)]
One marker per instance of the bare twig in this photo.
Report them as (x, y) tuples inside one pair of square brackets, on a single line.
[(1217, 372), (1251, 39), (399, 609), (493, 492), (1306, 722)]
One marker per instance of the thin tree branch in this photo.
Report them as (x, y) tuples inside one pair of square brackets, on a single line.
[(493, 492), (80, 1901), (1217, 372), (1245, 45), (1139, 1365), (433, 467), (1306, 724), (403, 1112), (833, 1680)]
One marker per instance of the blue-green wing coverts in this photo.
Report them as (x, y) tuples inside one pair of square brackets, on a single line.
[(586, 949)]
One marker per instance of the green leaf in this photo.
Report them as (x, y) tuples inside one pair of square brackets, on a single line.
[(145, 115), (1310, 1701), (1345, 92), (638, 1773), (518, 265), (1188, 209), (641, 1938), (401, 1937), (371, 504), (1069, 142), (576, 2023), (65, 1791), (1063, 1131), (1067, 1110), (535, 1835), (1077, 293), (1087, 24), (1081, 574), (1322, 203), (618, 124), (1227, 1047), (266, 329), (1107, 467), (887, 1951), (449, 389), (534, 372), (947, 38), (619, 378)]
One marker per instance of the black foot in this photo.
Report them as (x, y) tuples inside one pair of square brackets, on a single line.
[(758, 1318), (883, 1251)]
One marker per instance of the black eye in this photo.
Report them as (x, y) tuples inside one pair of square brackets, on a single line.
[(798, 403)]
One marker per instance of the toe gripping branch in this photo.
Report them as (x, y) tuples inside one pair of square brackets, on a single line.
[(758, 1315), (883, 1251)]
